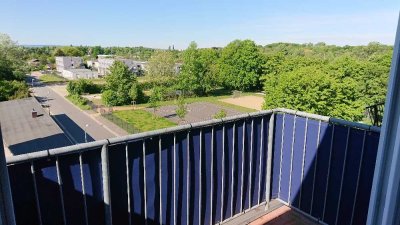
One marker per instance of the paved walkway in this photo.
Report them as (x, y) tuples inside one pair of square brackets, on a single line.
[(251, 101), (196, 112)]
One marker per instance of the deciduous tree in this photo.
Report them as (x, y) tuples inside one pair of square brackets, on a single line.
[(241, 65)]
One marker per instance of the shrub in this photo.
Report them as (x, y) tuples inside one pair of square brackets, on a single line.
[(81, 86), (13, 90), (79, 101), (181, 109), (221, 114)]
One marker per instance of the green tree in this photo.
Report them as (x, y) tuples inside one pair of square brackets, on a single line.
[(241, 65), (190, 74), (136, 93), (13, 56), (118, 85), (13, 67), (13, 90), (161, 65), (318, 93), (156, 96), (181, 109), (58, 52), (80, 86), (96, 50), (68, 51), (198, 73)]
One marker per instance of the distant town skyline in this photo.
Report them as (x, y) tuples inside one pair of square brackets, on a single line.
[(159, 24)]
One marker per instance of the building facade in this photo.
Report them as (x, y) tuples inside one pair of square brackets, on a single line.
[(73, 74), (104, 63), (66, 62)]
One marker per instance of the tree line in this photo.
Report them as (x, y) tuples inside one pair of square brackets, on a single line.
[(331, 80), (318, 78)]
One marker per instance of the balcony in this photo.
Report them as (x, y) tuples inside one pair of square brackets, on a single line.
[(211, 172)]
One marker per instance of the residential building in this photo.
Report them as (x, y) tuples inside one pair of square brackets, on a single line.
[(93, 64), (104, 63), (73, 74), (67, 62)]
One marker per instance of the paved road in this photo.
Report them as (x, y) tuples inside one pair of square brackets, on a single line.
[(72, 120)]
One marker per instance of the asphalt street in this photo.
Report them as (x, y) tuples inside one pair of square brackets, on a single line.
[(70, 119)]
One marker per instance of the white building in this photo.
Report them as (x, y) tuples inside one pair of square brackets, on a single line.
[(66, 62), (94, 64), (73, 74), (106, 62)]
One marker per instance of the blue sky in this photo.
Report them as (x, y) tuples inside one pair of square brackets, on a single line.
[(210, 23)]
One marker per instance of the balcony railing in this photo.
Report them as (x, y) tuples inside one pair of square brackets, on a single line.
[(203, 173)]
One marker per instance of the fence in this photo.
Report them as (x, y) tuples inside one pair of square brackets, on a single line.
[(325, 169), (121, 123), (203, 173)]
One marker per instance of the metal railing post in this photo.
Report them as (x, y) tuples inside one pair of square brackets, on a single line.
[(106, 184), (271, 129), (7, 216)]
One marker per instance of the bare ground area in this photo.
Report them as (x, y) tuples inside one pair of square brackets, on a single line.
[(252, 102), (198, 111)]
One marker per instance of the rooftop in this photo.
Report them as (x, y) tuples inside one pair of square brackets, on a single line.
[(22, 133), (79, 70)]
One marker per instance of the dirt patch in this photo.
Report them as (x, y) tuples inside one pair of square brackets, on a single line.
[(198, 111), (251, 102)]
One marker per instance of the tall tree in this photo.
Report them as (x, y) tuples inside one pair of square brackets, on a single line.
[(198, 73), (319, 93), (118, 88), (161, 65), (189, 76), (13, 68), (241, 65)]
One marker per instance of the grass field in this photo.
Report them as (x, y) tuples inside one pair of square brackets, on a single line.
[(142, 120), (52, 78)]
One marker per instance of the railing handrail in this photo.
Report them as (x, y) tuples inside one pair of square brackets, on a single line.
[(139, 136)]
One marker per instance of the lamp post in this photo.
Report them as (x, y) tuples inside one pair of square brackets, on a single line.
[(133, 104), (87, 125)]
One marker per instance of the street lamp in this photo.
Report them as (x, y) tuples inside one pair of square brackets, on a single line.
[(87, 125), (133, 104)]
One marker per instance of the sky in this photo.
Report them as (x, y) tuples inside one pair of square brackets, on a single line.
[(211, 23)]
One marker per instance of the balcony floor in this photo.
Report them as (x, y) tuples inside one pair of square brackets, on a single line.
[(277, 214)]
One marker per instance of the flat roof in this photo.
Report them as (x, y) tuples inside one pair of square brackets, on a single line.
[(79, 70), (22, 133)]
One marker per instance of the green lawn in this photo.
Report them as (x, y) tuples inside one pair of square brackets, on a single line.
[(52, 78), (143, 120), (79, 101)]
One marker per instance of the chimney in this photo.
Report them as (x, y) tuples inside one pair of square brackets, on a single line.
[(34, 113)]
